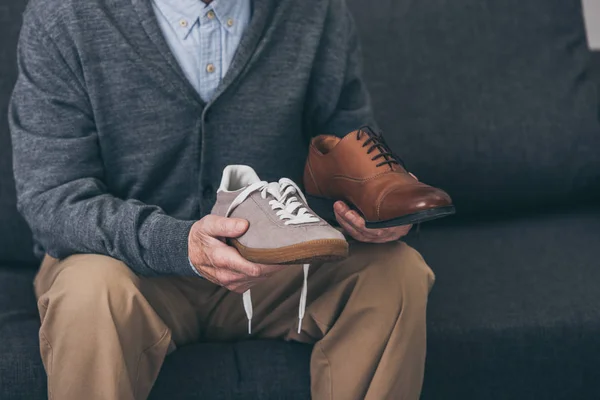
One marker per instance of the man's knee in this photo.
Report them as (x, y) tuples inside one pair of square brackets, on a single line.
[(394, 279), (401, 265), (85, 284)]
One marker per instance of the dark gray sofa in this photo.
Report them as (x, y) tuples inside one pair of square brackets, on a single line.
[(497, 102)]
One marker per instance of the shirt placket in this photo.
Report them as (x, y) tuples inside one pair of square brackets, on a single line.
[(211, 65)]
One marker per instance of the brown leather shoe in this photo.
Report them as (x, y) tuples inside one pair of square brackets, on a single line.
[(361, 170)]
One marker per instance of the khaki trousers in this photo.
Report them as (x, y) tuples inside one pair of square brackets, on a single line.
[(106, 331)]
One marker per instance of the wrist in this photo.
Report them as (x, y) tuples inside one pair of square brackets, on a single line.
[(168, 243)]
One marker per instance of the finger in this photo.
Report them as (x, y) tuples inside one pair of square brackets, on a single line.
[(350, 216), (229, 258), (270, 270), (359, 224), (352, 231), (231, 279), (228, 279), (226, 257), (216, 226), (215, 275), (386, 238), (340, 207), (392, 234), (351, 219), (243, 287), (403, 230)]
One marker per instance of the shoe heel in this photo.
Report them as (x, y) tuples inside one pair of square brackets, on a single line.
[(323, 207)]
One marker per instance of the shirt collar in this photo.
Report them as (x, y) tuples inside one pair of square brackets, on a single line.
[(183, 15), (228, 12)]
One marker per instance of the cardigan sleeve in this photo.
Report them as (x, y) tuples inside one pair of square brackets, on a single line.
[(59, 170)]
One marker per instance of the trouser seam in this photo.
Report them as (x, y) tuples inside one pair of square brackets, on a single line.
[(160, 340), (387, 341), (51, 361), (323, 326), (329, 370)]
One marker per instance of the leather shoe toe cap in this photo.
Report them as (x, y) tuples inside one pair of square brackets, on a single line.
[(410, 200)]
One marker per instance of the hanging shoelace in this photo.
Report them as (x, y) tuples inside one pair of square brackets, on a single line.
[(288, 208)]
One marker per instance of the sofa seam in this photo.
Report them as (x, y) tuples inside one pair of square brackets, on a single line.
[(329, 371)]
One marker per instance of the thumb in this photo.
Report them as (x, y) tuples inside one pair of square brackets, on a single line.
[(225, 227)]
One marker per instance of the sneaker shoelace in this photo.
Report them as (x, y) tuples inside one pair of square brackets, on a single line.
[(288, 208)]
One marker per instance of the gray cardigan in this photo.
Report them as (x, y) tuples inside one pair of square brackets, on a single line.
[(116, 154)]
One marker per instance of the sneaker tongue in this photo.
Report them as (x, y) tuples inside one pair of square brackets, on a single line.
[(236, 177), (274, 190)]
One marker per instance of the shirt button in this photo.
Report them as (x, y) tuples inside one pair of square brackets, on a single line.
[(230, 22), (183, 23), (210, 14), (210, 68)]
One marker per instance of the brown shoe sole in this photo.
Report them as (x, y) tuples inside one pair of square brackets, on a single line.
[(324, 208), (302, 253)]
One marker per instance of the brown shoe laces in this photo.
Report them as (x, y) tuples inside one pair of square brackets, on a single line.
[(377, 141)]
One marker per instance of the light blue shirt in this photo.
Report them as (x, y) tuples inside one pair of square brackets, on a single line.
[(203, 38)]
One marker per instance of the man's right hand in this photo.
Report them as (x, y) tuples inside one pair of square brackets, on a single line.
[(220, 263)]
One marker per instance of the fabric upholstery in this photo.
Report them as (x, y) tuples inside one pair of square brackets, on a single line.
[(22, 375), (513, 315), (261, 370), (15, 237), (500, 123), (159, 153), (247, 370), (595, 72), (489, 99)]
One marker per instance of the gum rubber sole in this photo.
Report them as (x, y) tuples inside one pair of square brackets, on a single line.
[(324, 208), (302, 253)]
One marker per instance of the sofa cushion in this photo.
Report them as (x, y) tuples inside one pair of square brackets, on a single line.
[(489, 99), (22, 375), (513, 315), (254, 369), (260, 370), (514, 312), (15, 238)]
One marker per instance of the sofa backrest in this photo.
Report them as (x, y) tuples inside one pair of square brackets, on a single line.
[(15, 237), (489, 99)]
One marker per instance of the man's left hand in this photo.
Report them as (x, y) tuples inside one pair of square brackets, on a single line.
[(354, 225)]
